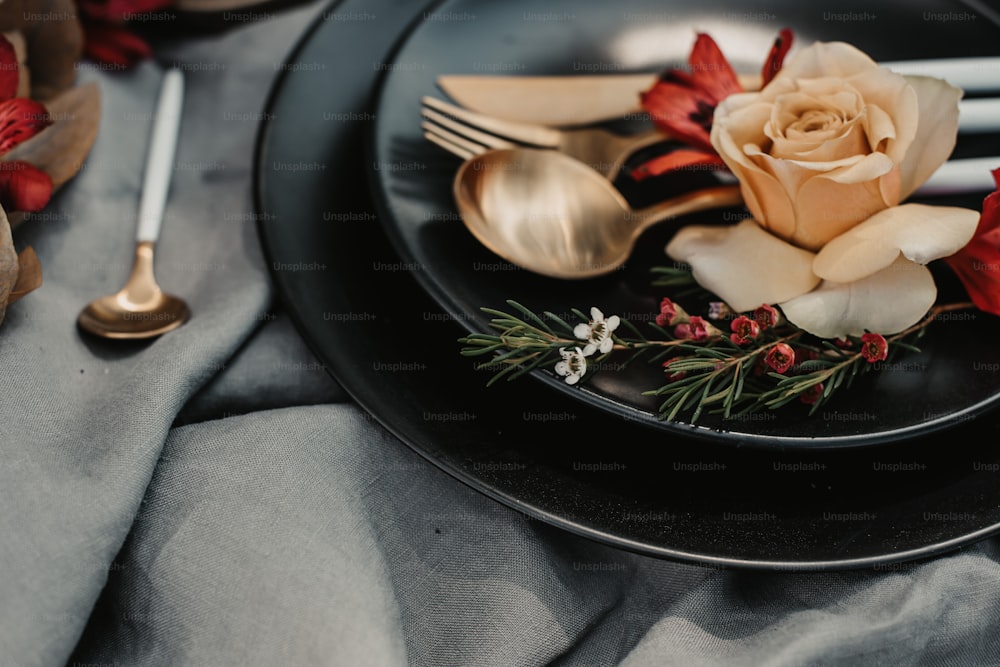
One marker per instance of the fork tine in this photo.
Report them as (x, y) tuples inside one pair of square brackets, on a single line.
[(525, 133), (454, 149), (451, 137), (464, 130)]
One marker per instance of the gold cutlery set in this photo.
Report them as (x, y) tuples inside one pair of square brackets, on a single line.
[(536, 185)]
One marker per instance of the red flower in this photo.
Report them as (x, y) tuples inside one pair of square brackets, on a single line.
[(780, 358), (114, 44), (766, 316), (874, 347), (23, 187), (107, 37), (978, 263), (668, 312), (744, 330), (694, 329), (811, 395), (682, 103)]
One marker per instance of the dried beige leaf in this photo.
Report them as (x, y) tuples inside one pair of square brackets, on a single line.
[(8, 264), (29, 277)]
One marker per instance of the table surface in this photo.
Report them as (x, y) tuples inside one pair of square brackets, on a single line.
[(212, 497)]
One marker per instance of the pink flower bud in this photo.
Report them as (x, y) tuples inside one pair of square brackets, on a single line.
[(696, 329)]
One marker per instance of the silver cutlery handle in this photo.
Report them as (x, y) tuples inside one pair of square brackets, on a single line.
[(160, 159)]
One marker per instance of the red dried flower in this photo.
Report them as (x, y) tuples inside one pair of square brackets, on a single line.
[(697, 328), (978, 263), (23, 186), (811, 395), (668, 312), (780, 358), (682, 103), (874, 347), (744, 330), (766, 316)]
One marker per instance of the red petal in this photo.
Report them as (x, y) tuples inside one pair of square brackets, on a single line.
[(776, 58), (683, 113), (978, 263), (20, 120), (23, 187), (683, 104), (710, 70), (114, 45), (673, 161), (8, 69), (119, 11)]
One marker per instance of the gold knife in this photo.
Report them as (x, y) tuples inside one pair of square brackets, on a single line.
[(591, 98)]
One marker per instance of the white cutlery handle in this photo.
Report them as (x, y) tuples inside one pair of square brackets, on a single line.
[(962, 176), (969, 74), (979, 115), (160, 158)]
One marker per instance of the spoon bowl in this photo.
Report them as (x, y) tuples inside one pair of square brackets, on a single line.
[(140, 309), (551, 214)]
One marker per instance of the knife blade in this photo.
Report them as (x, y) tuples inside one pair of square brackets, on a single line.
[(593, 98)]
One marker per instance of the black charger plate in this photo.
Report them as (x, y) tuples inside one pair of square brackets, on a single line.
[(919, 393), (540, 452)]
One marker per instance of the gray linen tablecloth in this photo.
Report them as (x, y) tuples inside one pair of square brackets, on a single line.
[(213, 498)]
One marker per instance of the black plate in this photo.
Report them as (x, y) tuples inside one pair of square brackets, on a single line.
[(919, 393), (538, 451)]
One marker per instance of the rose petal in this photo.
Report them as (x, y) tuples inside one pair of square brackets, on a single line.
[(936, 133), (918, 232), (743, 264), (878, 126), (826, 208), (23, 187), (885, 302), (893, 94), (738, 122), (820, 59)]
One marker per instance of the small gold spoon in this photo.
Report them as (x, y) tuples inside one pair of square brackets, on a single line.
[(554, 215), (141, 309)]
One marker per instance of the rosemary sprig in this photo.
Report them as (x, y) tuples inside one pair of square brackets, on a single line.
[(706, 370)]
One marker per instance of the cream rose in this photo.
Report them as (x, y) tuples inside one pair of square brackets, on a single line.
[(824, 155)]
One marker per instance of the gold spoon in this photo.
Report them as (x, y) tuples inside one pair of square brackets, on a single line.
[(141, 309), (554, 215)]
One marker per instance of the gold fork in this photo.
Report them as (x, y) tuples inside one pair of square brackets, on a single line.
[(604, 151)]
